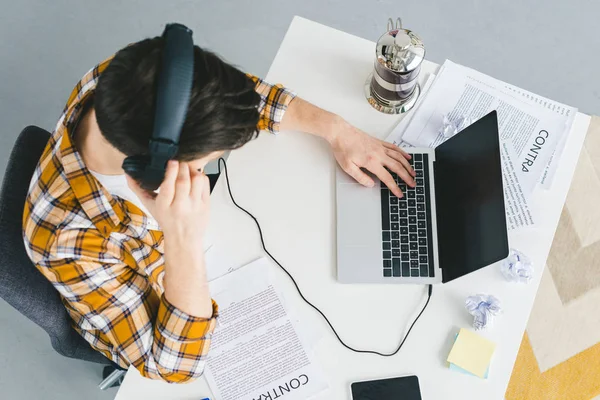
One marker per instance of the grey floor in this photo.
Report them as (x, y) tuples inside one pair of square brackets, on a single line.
[(550, 47)]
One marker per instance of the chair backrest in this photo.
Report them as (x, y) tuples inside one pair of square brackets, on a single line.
[(21, 284)]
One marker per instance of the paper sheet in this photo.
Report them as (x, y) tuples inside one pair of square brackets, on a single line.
[(533, 131), (256, 352), (216, 263), (567, 112), (518, 212), (558, 108), (517, 209), (472, 353), (395, 137)]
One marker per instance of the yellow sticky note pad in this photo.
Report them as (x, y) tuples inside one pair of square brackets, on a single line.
[(472, 353)]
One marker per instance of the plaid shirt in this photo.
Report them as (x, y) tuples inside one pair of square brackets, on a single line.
[(105, 256)]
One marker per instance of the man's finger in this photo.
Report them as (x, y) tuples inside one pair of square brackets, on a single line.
[(167, 187), (183, 182), (206, 190), (385, 177), (402, 160), (397, 149), (198, 184), (359, 175), (401, 171)]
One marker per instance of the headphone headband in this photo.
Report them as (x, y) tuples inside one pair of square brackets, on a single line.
[(174, 88)]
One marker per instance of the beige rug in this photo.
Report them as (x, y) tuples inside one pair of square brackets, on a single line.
[(559, 357)]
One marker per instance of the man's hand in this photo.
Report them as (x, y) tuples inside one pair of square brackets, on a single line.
[(354, 149), (181, 208), (182, 205)]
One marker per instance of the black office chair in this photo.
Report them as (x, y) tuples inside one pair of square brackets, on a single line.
[(21, 284)]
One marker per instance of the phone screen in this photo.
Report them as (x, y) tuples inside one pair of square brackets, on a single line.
[(402, 388)]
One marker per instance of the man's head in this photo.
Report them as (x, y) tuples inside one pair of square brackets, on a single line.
[(222, 115)]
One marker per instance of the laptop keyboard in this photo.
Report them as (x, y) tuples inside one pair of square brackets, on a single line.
[(406, 225)]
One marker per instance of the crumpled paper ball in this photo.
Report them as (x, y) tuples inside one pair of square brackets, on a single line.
[(483, 308), (451, 128), (517, 267)]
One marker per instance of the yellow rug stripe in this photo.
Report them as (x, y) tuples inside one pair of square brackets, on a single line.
[(577, 378)]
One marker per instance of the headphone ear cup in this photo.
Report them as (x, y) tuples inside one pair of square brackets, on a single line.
[(140, 169), (135, 166)]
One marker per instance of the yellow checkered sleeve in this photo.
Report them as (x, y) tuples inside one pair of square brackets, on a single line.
[(274, 101), (105, 256)]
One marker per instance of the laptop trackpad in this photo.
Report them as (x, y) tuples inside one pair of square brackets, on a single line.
[(359, 215)]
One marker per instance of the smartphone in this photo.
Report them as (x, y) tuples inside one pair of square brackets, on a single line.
[(400, 388)]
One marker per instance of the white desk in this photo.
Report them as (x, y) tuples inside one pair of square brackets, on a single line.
[(287, 181)]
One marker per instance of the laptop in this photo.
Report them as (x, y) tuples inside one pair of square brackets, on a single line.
[(451, 224)]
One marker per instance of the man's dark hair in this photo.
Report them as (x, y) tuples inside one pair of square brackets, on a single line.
[(222, 115)]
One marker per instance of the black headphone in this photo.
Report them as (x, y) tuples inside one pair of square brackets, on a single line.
[(172, 101)]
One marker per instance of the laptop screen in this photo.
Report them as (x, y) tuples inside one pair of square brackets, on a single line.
[(471, 217)]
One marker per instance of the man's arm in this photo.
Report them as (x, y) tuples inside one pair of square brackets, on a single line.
[(353, 149), (182, 209), (114, 308), (305, 117), (113, 303)]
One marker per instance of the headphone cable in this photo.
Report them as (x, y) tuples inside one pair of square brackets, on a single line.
[(262, 241)]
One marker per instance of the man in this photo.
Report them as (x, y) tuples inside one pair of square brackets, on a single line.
[(126, 261)]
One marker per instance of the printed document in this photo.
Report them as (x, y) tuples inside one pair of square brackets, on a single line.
[(395, 137), (561, 109), (256, 351), (532, 131), (566, 113), (518, 213)]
